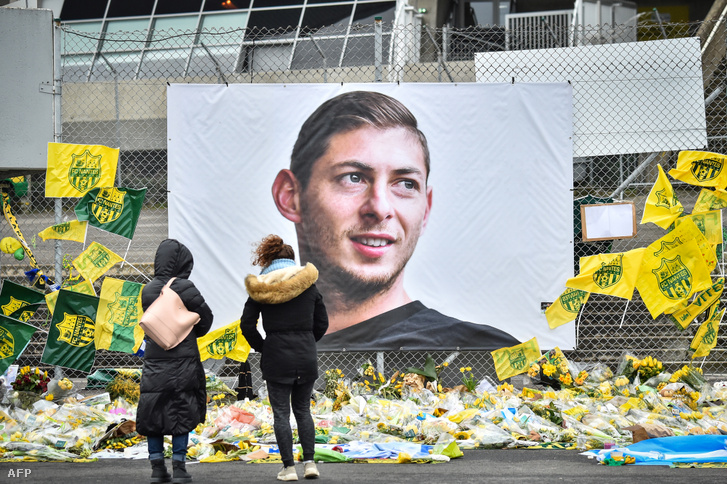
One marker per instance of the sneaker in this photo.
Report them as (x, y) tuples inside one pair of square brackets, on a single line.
[(287, 474), (311, 471)]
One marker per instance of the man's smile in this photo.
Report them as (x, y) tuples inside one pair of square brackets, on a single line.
[(373, 241)]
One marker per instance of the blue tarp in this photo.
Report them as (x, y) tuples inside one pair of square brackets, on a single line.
[(666, 450), (389, 450)]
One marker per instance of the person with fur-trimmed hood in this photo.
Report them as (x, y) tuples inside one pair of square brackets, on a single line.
[(294, 319), (173, 397)]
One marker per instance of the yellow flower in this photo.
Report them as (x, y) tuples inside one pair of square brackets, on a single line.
[(461, 370), (445, 364), (49, 397), (469, 368), (548, 369)]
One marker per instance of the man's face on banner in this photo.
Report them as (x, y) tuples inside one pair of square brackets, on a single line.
[(366, 205)]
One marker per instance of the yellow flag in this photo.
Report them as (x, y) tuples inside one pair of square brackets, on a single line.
[(73, 230), (662, 205), (709, 223), (688, 230), (701, 168), (225, 341), (514, 360), (673, 268), (710, 200), (565, 308), (677, 307), (75, 169), (84, 287), (93, 262), (683, 318), (614, 274), (706, 337), (117, 318)]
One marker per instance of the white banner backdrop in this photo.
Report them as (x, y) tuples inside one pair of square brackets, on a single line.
[(499, 241), (630, 97)]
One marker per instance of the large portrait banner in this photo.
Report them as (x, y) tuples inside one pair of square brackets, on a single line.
[(439, 216)]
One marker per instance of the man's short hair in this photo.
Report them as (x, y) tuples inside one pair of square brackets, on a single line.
[(347, 112)]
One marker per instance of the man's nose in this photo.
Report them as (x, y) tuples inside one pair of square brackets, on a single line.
[(378, 203)]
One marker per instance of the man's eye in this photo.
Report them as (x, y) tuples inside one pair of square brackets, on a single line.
[(408, 184), (354, 178)]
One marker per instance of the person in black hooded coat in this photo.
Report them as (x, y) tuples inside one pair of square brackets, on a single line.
[(173, 391), (294, 318)]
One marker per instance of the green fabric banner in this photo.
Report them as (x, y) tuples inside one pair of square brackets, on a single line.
[(112, 209), (71, 332), (119, 311), (19, 302), (14, 338)]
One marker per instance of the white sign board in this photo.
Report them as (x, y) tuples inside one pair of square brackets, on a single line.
[(606, 221), (634, 97), (26, 77)]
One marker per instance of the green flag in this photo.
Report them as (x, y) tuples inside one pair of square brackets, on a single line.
[(112, 209), (19, 302), (119, 311), (14, 337), (71, 332)]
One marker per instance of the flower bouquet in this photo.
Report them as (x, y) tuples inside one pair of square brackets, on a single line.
[(28, 387), (58, 389), (628, 366), (552, 369), (31, 380)]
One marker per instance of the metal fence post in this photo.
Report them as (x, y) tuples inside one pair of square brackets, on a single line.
[(57, 137), (378, 49)]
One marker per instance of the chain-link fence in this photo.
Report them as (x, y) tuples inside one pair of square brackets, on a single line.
[(114, 93)]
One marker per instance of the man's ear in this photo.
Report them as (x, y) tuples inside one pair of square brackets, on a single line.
[(429, 207), (286, 193)]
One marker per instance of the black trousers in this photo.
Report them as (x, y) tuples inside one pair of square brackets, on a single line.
[(282, 397)]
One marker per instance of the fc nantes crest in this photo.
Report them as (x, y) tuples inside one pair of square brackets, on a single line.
[(609, 274), (99, 257), (665, 200), (124, 310), (517, 358), (76, 329), (224, 344), (7, 343), (673, 278), (85, 171), (108, 205), (13, 305), (61, 228), (707, 169), (572, 299)]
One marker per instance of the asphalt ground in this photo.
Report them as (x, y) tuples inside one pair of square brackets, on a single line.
[(476, 466)]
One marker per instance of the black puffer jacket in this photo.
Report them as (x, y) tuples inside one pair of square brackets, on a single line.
[(294, 318), (173, 391)]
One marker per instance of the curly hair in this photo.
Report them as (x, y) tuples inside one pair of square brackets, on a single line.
[(270, 248)]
